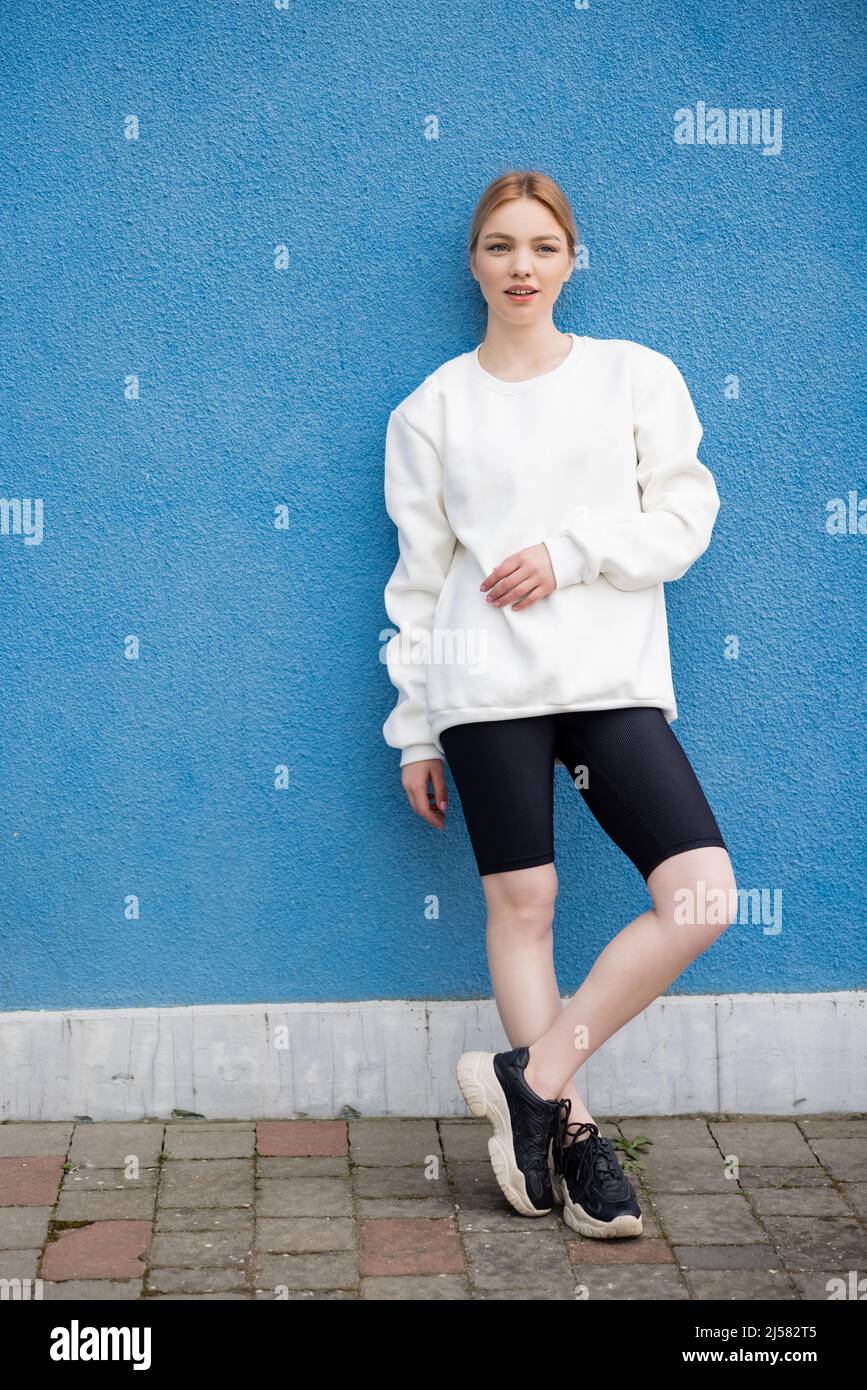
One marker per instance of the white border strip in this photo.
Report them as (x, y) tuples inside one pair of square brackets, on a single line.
[(773, 1054)]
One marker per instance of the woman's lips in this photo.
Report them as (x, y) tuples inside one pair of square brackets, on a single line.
[(513, 295)]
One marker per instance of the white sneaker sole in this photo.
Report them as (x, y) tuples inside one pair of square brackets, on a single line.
[(486, 1099), (586, 1225)]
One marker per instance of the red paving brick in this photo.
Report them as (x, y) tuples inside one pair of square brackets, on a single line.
[(302, 1138), (30, 1182), (637, 1250), (415, 1245), (103, 1250)]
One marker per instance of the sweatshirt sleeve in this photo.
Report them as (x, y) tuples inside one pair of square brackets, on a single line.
[(678, 495), (414, 501)]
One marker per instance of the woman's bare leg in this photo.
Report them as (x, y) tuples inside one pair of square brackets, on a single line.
[(636, 967), (520, 945)]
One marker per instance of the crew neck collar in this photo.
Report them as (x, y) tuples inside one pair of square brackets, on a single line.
[(518, 388)]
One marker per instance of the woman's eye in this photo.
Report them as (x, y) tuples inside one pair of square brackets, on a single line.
[(497, 245)]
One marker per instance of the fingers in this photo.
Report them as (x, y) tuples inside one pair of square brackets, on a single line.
[(525, 594), (525, 582), (438, 778), (532, 597), (521, 579), (500, 592), (415, 784), (504, 568), (422, 807)]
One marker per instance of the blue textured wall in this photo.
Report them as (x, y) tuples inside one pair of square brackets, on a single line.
[(260, 387)]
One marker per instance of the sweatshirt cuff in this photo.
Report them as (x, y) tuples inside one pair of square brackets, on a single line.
[(568, 560), (417, 752)]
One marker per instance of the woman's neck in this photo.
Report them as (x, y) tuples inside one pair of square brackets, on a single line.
[(516, 356)]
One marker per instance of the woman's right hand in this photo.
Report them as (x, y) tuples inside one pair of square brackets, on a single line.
[(415, 783)]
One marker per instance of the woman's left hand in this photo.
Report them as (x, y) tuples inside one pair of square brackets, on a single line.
[(521, 579)]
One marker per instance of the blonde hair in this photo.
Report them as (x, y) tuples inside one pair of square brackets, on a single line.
[(524, 183)]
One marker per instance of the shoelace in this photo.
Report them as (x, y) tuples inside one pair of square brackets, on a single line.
[(597, 1150)]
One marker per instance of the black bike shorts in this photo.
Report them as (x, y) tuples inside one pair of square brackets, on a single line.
[(639, 784)]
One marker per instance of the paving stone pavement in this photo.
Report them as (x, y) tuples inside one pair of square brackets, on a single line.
[(188, 1208)]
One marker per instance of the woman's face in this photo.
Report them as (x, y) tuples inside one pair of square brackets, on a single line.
[(521, 245)]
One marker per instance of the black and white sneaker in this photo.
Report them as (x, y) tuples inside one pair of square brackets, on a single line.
[(493, 1085), (597, 1196)]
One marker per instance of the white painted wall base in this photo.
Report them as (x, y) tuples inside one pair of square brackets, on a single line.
[(774, 1054)]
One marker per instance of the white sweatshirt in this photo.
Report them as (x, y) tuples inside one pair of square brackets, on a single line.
[(597, 459)]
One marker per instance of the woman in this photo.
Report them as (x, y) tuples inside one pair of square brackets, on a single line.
[(545, 486)]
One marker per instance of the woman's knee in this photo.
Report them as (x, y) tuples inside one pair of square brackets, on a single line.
[(696, 887), (523, 896)]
